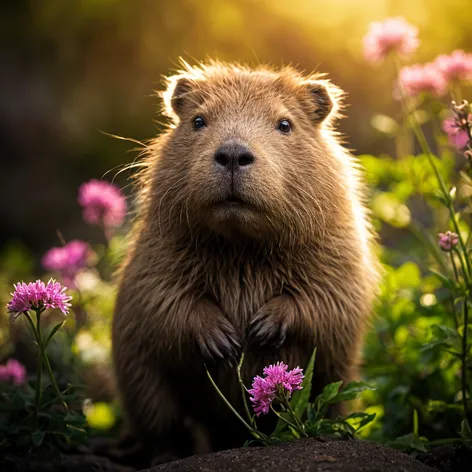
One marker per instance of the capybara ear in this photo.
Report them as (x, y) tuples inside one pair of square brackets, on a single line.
[(178, 95), (325, 98)]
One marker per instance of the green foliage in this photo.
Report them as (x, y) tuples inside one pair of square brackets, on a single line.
[(419, 354), (344, 427), (24, 426), (46, 421), (301, 417), (300, 399)]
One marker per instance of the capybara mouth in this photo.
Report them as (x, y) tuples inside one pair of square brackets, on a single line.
[(233, 201)]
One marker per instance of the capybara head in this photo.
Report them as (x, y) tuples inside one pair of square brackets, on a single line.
[(249, 153)]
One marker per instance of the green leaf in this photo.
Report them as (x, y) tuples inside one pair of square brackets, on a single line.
[(37, 438), (53, 332), (250, 442), (444, 338), (343, 428), (368, 418), (76, 419), (447, 335), (364, 419), (446, 281), (324, 399), (352, 391), (439, 195), (337, 428), (301, 397), (408, 442), (295, 433)]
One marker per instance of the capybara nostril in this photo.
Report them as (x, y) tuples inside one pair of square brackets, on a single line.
[(234, 155), (245, 159), (222, 158)]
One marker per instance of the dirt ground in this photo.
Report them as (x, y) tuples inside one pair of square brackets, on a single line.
[(304, 455)]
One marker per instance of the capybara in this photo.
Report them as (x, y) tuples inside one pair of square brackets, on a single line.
[(251, 235)]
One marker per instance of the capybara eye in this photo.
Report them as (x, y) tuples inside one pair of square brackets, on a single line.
[(198, 122), (285, 126)]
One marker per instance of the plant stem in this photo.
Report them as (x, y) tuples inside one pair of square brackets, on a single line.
[(243, 391), (295, 427), (435, 126), (427, 241), (44, 357), (465, 309), (253, 431), (39, 387), (453, 309), (53, 380), (295, 417), (453, 262)]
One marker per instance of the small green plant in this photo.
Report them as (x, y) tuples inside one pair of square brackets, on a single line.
[(43, 413), (31, 415), (286, 393)]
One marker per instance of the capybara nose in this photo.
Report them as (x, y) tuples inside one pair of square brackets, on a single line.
[(233, 156)]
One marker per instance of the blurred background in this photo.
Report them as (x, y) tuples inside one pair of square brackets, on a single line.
[(74, 72), (71, 69)]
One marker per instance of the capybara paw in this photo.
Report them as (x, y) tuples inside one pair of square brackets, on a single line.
[(268, 326), (217, 338), (221, 343)]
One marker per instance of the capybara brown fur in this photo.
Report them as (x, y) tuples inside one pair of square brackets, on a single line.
[(251, 235)]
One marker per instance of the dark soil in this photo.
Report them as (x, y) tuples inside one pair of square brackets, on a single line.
[(65, 463), (448, 459), (304, 455)]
